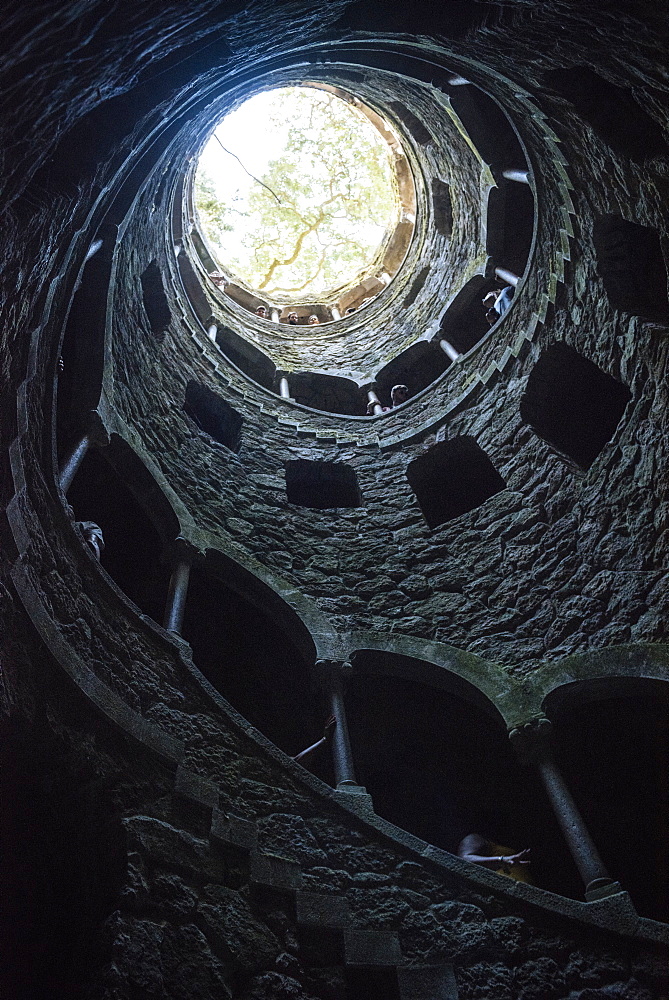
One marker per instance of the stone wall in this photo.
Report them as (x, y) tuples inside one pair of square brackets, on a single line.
[(201, 856)]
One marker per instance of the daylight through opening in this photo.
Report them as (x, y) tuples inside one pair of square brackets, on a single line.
[(300, 193)]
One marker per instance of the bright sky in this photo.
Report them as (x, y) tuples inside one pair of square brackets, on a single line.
[(256, 133)]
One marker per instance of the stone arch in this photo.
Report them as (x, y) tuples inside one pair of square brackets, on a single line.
[(437, 761), (611, 743), (256, 651), (115, 489)]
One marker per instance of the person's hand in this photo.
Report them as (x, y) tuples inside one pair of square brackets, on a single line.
[(521, 858), (330, 723)]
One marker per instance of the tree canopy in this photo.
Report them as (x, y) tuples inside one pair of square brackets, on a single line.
[(317, 216)]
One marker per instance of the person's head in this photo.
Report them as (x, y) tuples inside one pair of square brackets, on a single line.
[(261, 311), (490, 299), (399, 394), (218, 279), (313, 320), (350, 311), (293, 318), (92, 534)]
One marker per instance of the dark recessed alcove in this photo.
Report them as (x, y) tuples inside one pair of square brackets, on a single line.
[(416, 286), (612, 744), (417, 367), (193, 288), (442, 208), (62, 865), (611, 111), (452, 478), (133, 546), (414, 126), (327, 392), (631, 264), (247, 645), (155, 300), (464, 324), (437, 761), (572, 404), (213, 415), (322, 484)]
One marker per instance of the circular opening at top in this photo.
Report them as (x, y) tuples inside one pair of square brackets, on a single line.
[(303, 194)]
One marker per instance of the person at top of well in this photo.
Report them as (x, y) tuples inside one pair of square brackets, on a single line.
[(218, 279)]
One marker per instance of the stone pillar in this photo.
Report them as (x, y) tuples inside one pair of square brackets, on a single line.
[(334, 312), (212, 330), (333, 675), (508, 276), (449, 350), (457, 81), (274, 315), (284, 388), (520, 176), (95, 434), (373, 398), (532, 742), (180, 555)]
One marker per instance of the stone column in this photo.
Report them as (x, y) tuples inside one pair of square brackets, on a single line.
[(274, 315), (335, 313), (508, 276), (333, 675), (520, 176), (457, 81), (95, 434), (212, 330), (284, 388), (532, 742), (373, 398), (449, 350), (180, 555)]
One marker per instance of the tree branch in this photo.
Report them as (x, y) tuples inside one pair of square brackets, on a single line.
[(252, 176)]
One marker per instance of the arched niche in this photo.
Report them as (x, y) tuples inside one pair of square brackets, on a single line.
[(464, 323), (327, 392), (417, 367), (257, 653), (114, 489), (435, 756), (510, 225), (193, 288), (83, 346), (249, 359), (611, 738), (488, 126)]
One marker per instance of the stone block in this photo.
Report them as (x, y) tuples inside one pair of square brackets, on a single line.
[(194, 788), (233, 830), (319, 910), (435, 982), (371, 948), (276, 872)]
